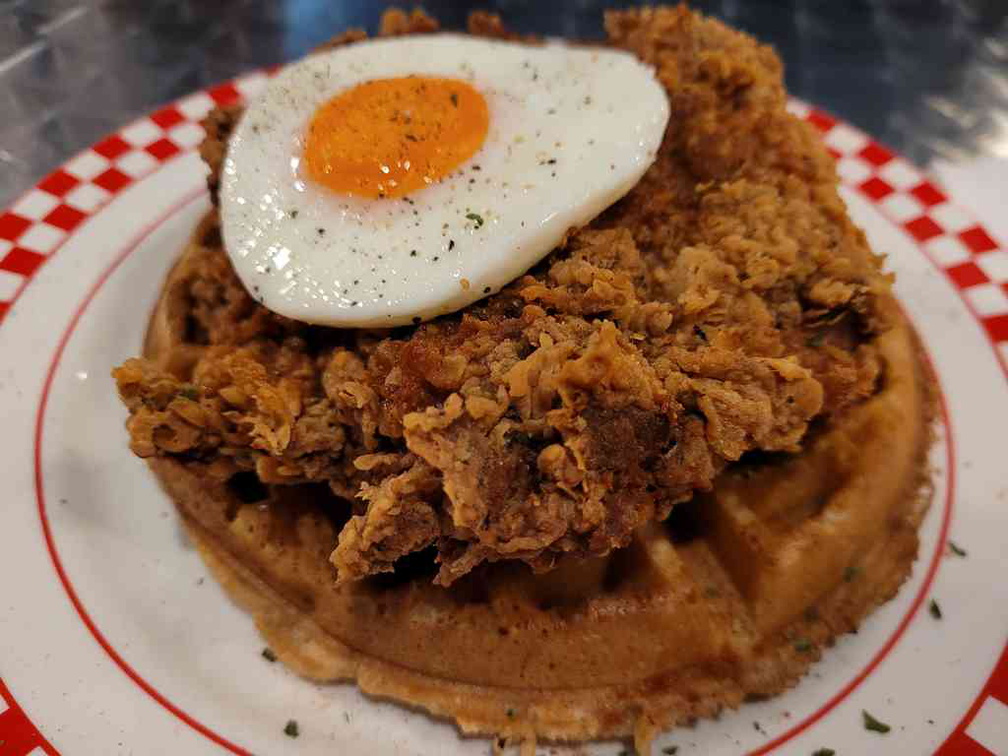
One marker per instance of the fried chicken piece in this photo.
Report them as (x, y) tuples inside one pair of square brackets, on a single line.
[(724, 304)]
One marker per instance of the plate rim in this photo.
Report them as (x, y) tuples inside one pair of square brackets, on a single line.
[(30, 235)]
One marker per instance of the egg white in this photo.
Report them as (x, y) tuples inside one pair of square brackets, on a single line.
[(572, 129)]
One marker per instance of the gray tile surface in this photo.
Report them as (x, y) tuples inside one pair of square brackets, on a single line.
[(928, 77)]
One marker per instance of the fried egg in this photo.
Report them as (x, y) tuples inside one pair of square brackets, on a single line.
[(394, 180)]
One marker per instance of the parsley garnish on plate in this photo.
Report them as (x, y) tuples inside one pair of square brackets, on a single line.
[(475, 218), (670, 750), (824, 752), (958, 550), (803, 645), (291, 729), (268, 655), (935, 610), (874, 725)]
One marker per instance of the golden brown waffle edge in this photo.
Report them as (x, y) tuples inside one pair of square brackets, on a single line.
[(732, 599)]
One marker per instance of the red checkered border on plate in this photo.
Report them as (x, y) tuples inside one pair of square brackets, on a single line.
[(982, 731), (38, 223), (18, 736), (973, 261)]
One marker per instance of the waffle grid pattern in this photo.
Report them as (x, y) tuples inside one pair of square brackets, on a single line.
[(37, 225)]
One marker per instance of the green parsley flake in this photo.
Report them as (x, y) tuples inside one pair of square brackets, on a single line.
[(803, 645), (874, 725), (670, 750), (510, 713), (850, 573), (824, 752), (935, 610), (190, 392), (268, 655), (958, 550), (475, 218), (291, 729)]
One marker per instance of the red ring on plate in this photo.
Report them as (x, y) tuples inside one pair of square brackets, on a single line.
[(227, 744), (882, 653), (233, 748), (40, 493)]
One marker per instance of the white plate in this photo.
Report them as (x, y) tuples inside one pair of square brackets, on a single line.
[(112, 640)]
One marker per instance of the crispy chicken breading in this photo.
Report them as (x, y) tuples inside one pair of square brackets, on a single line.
[(719, 308)]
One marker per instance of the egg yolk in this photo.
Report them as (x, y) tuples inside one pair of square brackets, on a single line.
[(390, 137)]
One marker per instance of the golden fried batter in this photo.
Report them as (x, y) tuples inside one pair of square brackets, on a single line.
[(719, 308)]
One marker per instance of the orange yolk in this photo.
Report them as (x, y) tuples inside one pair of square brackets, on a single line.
[(390, 137)]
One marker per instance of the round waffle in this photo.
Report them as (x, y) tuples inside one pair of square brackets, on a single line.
[(733, 597)]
